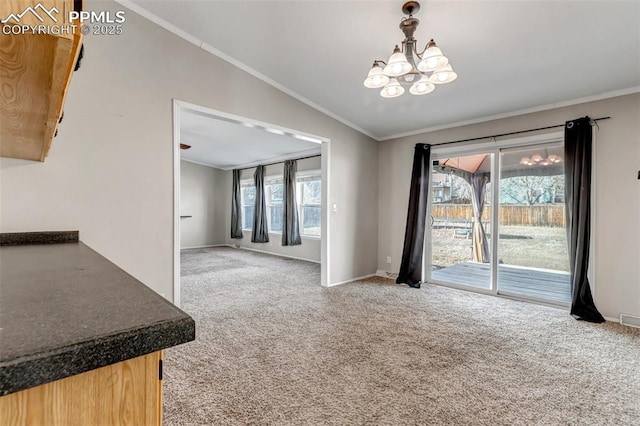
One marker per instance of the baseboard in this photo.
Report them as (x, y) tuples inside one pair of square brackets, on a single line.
[(209, 246), (385, 274), (351, 280), (273, 254), (616, 320)]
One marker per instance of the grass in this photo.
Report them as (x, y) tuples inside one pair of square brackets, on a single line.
[(531, 246)]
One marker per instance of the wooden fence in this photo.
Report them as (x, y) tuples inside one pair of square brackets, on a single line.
[(551, 215)]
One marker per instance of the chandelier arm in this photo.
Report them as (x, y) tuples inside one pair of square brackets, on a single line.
[(423, 50)]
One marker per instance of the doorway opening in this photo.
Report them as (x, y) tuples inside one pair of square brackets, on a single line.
[(498, 221), (213, 151)]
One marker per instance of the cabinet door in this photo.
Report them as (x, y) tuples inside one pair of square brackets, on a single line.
[(125, 393)]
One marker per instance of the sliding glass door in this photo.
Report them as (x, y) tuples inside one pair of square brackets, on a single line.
[(510, 242), (533, 259), (461, 220)]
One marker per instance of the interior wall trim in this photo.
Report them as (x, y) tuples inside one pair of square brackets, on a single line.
[(350, 280), (236, 63), (273, 254), (546, 107)]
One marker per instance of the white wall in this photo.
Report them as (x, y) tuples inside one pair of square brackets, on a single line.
[(202, 195), (109, 172), (310, 248), (617, 192)]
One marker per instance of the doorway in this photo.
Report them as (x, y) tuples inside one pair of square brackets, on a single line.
[(270, 146), (498, 220)]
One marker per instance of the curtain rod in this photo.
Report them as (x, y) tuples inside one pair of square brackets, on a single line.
[(511, 133), (278, 162)]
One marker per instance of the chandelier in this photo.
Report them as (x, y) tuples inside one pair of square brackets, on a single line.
[(432, 66), (537, 159)]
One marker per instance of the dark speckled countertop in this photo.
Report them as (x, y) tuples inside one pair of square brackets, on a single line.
[(65, 309)]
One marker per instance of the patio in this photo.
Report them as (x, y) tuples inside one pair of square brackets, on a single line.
[(553, 286)]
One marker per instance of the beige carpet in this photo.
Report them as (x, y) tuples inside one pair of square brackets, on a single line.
[(274, 348)]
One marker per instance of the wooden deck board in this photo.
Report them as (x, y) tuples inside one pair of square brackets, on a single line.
[(546, 285)]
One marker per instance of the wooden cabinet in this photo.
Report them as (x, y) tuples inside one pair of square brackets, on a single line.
[(125, 393), (36, 65)]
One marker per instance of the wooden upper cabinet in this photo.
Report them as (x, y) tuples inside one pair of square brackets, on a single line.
[(36, 64)]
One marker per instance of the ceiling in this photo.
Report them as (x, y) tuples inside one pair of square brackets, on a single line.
[(510, 56), (227, 144)]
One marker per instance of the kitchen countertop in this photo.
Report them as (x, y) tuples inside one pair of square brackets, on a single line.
[(65, 309)]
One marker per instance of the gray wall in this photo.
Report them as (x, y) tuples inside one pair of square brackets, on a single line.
[(110, 171), (617, 192), (310, 247), (201, 196)]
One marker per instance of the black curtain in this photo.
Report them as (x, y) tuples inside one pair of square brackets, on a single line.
[(236, 206), (290, 223), (260, 231), (577, 171), (411, 265)]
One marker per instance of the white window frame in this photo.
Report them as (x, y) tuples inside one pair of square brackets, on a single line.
[(245, 183), (300, 178), (276, 179), (268, 181)]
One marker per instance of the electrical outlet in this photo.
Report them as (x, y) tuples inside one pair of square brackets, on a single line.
[(388, 259)]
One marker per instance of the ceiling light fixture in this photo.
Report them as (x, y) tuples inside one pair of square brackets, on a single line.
[(274, 131), (432, 67), (539, 159), (307, 138)]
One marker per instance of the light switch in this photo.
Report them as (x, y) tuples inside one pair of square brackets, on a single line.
[(334, 207)]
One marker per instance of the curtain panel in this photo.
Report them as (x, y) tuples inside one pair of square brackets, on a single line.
[(290, 221), (260, 231), (236, 206), (578, 146), (478, 184), (412, 252)]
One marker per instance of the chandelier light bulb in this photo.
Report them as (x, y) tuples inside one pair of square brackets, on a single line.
[(525, 161), (375, 79), (392, 89), (397, 64), (422, 86), (432, 58), (443, 75), (536, 157)]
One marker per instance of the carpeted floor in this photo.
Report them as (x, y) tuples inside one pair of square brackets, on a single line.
[(273, 347)]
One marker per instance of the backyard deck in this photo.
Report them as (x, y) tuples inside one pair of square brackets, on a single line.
[(513, 280)]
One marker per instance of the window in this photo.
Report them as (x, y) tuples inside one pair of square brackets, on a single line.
[(274, 193), (310, 196), (248, 204)]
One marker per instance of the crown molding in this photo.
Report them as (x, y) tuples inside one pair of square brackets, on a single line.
[(231, 60), (278, 159), (251, 164), (592, 98)]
